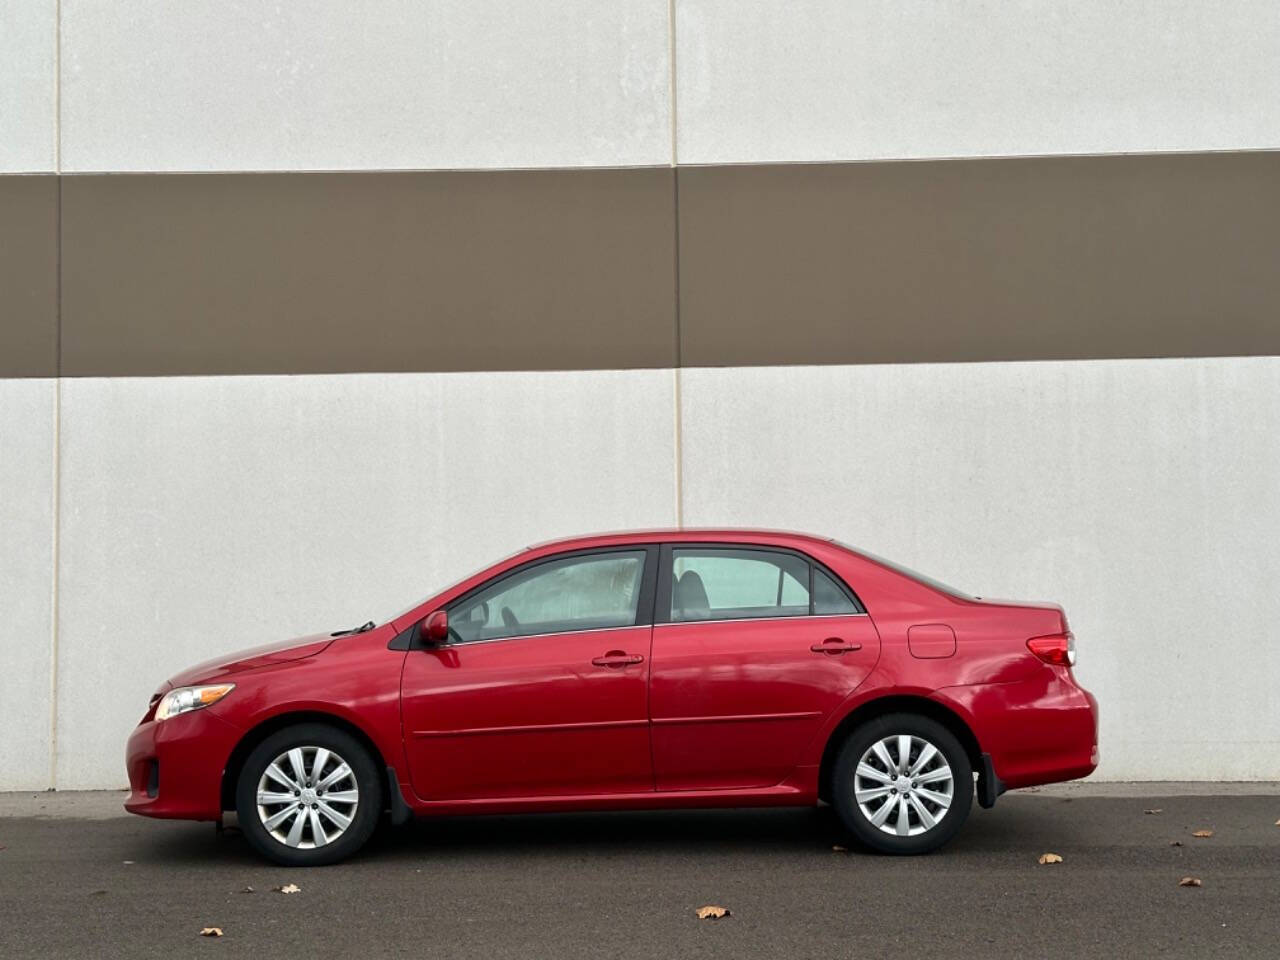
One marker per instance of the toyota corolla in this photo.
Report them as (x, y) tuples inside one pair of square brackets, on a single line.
[(678, 668)]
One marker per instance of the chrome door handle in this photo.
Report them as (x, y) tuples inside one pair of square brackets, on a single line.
[(617, 658), (834, 645)]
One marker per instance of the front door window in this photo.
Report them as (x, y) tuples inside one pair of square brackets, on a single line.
[(584, 592)]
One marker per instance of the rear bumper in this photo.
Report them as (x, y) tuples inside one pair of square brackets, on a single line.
[(1036, 731), (175, 766)]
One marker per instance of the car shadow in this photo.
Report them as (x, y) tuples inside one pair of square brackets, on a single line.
[(771, 831)]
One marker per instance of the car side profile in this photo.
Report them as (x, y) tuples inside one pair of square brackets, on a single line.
[(656, 669)]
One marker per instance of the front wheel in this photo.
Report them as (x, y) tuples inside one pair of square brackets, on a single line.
[(903, 784), (308, 795)]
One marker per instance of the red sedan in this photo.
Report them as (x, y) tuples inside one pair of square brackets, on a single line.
[(672, 668)]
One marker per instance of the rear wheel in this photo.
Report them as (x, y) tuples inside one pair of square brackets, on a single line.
[(902, 784), (308, 795)]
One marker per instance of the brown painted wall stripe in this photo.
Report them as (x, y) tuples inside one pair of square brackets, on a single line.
[(1017, 259), (306, 273), (28, 276), (1001, 259)]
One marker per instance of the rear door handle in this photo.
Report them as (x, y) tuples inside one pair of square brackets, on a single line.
[(617, 658), (834, 645)]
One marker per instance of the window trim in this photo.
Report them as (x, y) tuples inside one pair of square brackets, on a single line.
[(644, 603), (662, 596)]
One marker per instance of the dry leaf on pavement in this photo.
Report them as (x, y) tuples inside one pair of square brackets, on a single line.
[(1050, 858), (248, 890), (1202, 833), (712, 913), (1175, 843), (211, 932), (839, 849), (1154, 810), (287, 888), (1190, 882)]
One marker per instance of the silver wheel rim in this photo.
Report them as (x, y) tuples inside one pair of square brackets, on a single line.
[(307, 797), (903, 785)]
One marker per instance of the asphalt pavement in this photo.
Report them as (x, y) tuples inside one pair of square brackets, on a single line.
[(78, 881)]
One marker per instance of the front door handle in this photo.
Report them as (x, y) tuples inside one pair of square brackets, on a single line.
[(617, 659), (833, 646)]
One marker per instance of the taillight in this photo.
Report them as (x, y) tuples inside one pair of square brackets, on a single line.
[(1057, 648)]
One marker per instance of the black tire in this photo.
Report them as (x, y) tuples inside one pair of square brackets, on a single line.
[(923, 731), (367, 808)]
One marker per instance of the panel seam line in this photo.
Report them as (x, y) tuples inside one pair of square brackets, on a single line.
[(56, 497), (673, 106), (56, 492), (671, 81), (57, 86)]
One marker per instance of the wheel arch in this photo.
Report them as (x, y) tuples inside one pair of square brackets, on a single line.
[(895, 703), (255, 735)]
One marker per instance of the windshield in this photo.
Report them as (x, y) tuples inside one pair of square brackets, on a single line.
[(908, 572), (417, 603)]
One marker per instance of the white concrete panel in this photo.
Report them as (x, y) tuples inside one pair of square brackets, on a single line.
[(28, 40), (385, 84), (26, 581), (864, 79), (1140, 494), (204, 515)]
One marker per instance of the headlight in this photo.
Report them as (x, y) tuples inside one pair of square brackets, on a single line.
[(186, 699)]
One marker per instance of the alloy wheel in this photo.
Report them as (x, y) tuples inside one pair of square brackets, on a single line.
[(903, 785), (307, 797)]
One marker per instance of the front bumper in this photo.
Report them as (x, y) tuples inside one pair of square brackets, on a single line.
[(175, 766)]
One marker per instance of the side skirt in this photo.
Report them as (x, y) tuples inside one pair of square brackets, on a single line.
[(798, 791)]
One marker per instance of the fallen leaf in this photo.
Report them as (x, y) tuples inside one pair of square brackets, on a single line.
[(248, 890), (1175, 843), (1202, 833), (126, 862), (839, 849), (712, 913), (1050, 858), (1190, 882), (287, 888), (211, 932), (1277, 824), (1154, 810)]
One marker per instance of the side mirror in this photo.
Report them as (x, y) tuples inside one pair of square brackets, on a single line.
[(435, 627)]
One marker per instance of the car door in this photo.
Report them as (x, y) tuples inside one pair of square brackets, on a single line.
[(542, 688), (753, 648)]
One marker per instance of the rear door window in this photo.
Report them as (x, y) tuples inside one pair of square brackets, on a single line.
[(734, 584), (829, 599)]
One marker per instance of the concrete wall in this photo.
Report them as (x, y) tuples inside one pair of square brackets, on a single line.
[(203, 515), (27, 575), (387, 84), (148, 522), (1139, 494), (28, 79), (822, 80)]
